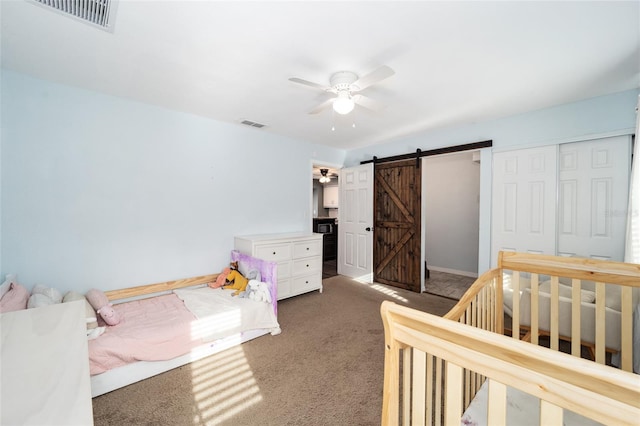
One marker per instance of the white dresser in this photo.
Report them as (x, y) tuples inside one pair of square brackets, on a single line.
[(299, 258)]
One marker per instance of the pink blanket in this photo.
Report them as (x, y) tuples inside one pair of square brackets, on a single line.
[(154, 329)]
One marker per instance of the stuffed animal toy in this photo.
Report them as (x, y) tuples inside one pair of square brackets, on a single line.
[(90, 313), (43, 296), (50, 292), (236, 281), (258, 291), (101, 304), (219, 282)]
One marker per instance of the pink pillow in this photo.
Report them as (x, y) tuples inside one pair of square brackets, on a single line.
[(15, 299)]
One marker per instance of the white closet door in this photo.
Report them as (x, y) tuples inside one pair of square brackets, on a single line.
[(524, 198), (592, 197), (355, 225)]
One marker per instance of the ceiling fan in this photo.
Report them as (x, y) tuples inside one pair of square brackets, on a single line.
[(324, 175), (346, 85)]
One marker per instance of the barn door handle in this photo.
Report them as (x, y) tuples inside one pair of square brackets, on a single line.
[(368, 229)]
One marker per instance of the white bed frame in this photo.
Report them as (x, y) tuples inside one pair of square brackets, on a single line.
[(131, 373)]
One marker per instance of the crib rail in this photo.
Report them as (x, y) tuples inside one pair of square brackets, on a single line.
[(570, 319), (480, 307), (417, 343)]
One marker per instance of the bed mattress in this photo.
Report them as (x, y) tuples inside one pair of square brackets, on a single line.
[(163, 327)]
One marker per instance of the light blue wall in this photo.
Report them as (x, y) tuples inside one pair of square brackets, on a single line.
[(597, 117), (98, 191), (103, 192), (576, 121)]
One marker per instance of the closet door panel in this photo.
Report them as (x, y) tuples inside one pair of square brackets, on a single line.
[(593, 193), (524, 211)]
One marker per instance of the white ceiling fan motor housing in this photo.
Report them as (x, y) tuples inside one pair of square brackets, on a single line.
[(343, 80)]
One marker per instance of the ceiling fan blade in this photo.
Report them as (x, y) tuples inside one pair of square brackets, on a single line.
[(374, 77), (309, 83), (322, 106), (368, 103)]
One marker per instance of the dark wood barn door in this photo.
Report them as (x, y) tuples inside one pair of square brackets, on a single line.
[(397, 220)]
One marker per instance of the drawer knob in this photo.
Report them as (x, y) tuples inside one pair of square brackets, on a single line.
[(274, 252), (307, 265), (307, 248)]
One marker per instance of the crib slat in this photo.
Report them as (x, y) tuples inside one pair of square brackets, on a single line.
[(474, 313), (467, 388), (515, 286), (492, 309), (576, 308), (438, 394), (418, 388), (406, 386), (554, 315), (600, 319), (453, 399), (483, 312), (497, 409), (497, 286), (550, 414), (626, 329), (430, 359), (535, 310)]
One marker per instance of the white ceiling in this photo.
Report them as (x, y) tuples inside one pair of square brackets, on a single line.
[(455, 62)]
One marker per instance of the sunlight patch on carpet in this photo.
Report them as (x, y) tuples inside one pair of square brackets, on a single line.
[(223, 385), (364, 279), (389, 292)]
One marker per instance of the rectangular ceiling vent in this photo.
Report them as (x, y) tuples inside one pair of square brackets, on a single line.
[(98, 13), (252, 124)]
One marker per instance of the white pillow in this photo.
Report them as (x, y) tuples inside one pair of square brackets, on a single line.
[(51, 292), (38, 299), (565, 291)]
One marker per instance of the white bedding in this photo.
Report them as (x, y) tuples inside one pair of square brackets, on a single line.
[(522, 410), (220, 314)]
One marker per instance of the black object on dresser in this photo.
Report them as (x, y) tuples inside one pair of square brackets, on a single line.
[(328, 227)]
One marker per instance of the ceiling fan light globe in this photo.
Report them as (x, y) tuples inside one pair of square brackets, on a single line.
[(343, 104)]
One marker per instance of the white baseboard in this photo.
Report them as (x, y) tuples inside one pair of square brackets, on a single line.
[(453, 271)]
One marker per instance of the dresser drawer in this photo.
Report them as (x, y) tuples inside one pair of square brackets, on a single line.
[(273, 252), (307, 283), (307, 266), (307, 248)]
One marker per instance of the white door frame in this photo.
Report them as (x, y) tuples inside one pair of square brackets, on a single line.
[(313, 164)]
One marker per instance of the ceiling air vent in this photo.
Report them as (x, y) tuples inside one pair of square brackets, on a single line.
[(252, 124), (99, 13)]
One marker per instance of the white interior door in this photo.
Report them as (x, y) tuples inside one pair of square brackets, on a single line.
[(592, 198), (524, 201), (355, 224)]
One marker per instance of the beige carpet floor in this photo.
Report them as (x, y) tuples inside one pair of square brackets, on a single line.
[(326, 368)]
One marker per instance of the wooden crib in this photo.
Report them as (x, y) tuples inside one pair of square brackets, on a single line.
[(435, 367)]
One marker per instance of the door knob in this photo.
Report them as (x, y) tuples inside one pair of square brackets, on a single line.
[(368, 229)]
